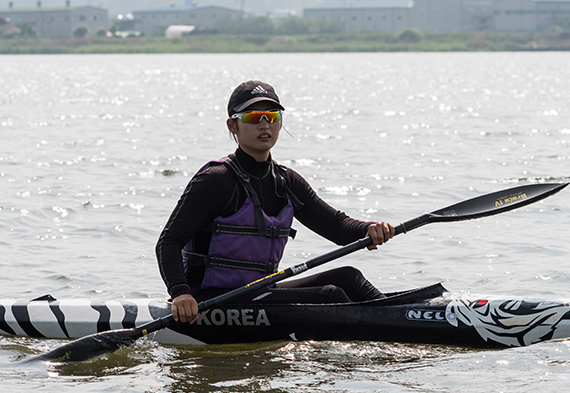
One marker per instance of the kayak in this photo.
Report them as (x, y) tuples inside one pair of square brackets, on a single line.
[(428, 315), (424, 315)]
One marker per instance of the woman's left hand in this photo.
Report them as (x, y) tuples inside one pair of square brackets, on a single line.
[(380, 232)]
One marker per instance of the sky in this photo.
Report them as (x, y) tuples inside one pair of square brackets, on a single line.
[(115, 7)]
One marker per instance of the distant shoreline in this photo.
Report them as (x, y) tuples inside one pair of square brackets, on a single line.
[(342, 43)]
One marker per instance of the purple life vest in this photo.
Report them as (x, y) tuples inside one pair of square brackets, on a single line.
[(245, 246)]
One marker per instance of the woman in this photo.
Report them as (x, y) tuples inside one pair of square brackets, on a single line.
[(231, 223)]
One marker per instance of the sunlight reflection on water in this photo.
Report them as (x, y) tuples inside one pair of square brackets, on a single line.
[(97, 149)]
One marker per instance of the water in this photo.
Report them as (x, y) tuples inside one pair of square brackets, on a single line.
[(96, 150)]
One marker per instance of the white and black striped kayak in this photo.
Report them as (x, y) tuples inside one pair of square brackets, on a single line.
[(426, 315), (47, 317)]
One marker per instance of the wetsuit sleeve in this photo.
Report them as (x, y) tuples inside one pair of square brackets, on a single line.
[(322, 218), (205, 196)]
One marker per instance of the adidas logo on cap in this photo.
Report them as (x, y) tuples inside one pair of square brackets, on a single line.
[(259, 90)]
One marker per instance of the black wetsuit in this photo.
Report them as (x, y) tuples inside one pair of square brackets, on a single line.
[(217, 192)]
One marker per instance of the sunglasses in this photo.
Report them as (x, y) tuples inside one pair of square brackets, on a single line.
[(254, 117)]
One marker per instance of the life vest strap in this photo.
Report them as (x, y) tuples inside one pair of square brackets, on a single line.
[(195, 259), (246, 183), (271, 232)]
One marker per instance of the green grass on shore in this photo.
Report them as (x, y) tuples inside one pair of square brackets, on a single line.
[(363, 42)]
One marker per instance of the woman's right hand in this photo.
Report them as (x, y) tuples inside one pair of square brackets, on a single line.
[(185, 308)]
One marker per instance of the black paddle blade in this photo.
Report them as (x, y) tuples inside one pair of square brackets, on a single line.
[(89, 347), (496, 202), (100, 343), (485, 205)]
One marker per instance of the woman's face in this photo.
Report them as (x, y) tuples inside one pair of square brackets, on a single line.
[(256, 139)]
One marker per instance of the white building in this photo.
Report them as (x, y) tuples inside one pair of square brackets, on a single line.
[(552, 13), (389, 16), (155, 21), (57, 22), (444, 16), (530, 15), (452, 16)]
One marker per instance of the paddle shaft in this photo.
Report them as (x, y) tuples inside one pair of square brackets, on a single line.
[(283, 274), (482, 206)]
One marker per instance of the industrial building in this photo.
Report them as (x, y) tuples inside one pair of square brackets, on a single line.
[(155, 21), (57, 22), (444, 16), (452, 16), (531, 15), (388, 16)]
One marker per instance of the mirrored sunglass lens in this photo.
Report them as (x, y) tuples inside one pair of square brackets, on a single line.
[(255, 116)]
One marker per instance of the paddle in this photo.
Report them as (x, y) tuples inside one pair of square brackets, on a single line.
[(486, 205)]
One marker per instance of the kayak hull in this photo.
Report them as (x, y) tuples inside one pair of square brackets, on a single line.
[(426, 315)]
